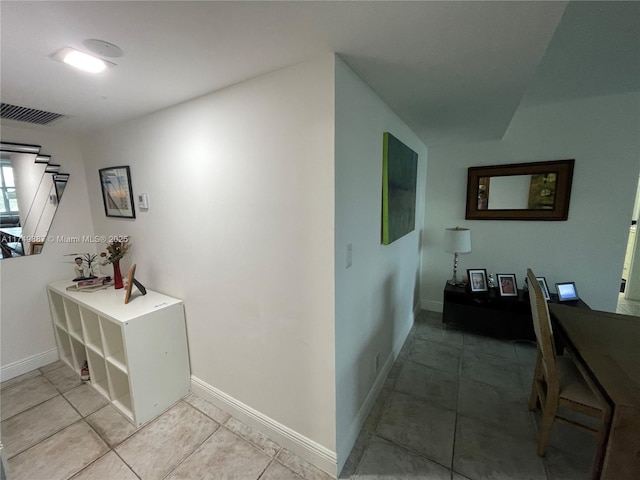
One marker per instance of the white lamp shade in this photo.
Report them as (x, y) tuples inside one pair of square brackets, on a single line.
[(457, 240)]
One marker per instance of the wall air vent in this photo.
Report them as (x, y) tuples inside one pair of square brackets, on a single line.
[(29, 115)]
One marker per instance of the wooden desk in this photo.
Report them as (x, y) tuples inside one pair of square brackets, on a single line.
[(609, 346)]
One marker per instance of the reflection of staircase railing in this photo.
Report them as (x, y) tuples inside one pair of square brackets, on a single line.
[(42, 208), (11, 242), (7, 252)]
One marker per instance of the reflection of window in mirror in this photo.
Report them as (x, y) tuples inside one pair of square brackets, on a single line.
[(9, 202)]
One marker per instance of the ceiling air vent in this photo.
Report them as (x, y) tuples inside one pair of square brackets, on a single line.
[(29, 115)]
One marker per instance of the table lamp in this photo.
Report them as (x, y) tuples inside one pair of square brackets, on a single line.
[(456, 240)]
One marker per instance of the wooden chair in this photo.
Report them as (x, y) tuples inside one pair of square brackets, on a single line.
[(561, 382)]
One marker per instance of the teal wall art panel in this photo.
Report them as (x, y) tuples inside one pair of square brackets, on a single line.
[(399, 178)]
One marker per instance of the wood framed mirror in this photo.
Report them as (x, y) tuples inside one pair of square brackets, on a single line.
[(520, 191)]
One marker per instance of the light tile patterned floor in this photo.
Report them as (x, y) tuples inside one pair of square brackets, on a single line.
[(454, 407), (628, 307), (55, 427)]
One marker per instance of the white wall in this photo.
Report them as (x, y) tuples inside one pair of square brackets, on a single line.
[(27, 332), (375, 297), (602, 134), (240, 226)]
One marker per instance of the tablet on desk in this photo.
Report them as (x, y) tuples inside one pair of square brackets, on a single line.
[(567, 292)]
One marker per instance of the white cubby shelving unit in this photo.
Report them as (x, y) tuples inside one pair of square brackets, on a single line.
[(137, 353)]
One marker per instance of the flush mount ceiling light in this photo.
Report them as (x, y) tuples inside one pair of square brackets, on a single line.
[(81, 60)]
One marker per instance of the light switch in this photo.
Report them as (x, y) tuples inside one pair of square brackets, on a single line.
[(143, 201)]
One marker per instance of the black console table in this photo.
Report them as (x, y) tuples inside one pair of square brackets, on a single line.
[(490, 314)]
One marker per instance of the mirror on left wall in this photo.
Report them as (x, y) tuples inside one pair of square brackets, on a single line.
[(31, 189)]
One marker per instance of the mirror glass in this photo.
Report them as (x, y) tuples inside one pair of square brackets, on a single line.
[(30, 189), (517, 192), (521, 191)]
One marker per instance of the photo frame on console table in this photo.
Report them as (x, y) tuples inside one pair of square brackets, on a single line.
[(507, 285), (544, 287), (478, 280), (131, 280), (117, 194)]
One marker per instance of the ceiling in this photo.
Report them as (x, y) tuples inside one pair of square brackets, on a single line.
[(453, 71)]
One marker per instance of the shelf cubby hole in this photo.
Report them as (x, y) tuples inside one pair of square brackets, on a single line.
[(73, 318), (91, 328), (57, 308), (79, 354), (112, 341), (64, 346), (98, 373), (118, 360), (120, 393)]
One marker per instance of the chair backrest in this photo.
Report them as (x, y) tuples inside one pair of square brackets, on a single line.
[(544, 331)]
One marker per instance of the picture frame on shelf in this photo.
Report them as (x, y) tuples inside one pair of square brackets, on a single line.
[(117, 194), (567, 292), (131, 281), (507, 285), (35, 248), (478, 280), (544, 287), (130, 277)]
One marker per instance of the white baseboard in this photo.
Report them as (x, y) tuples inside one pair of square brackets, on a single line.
[(7, 372), (432, 306), (302, 446), (347, 444), (297, 443)]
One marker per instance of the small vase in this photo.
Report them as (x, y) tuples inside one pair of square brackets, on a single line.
[(117, 276)]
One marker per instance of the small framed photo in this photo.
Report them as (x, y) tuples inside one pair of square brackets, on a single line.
[(478, 280), (116, 192), (507, 285), (35, 248), (567, 292), (544, 287), (130, 277)]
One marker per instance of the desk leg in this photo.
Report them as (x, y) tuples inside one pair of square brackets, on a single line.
[(622, 454)]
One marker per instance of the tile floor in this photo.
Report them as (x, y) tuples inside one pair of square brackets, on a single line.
[(454, 407), (628, 307)]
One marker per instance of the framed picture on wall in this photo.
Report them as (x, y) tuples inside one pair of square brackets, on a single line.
[(478, 280), (507, 285), (117, 194)]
